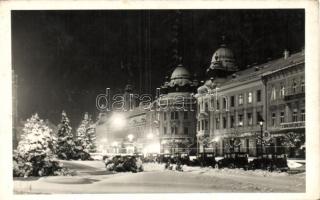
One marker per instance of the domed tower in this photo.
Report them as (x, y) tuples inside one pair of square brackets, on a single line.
[(222, 62), (180, 81)]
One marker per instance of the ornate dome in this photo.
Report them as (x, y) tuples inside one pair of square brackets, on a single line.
[(180, 76), (180, 72), (223, 59)]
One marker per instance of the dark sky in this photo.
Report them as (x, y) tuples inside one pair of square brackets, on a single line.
[(64, 59)]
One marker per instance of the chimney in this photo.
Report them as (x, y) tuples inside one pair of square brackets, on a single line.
[(286, 54)]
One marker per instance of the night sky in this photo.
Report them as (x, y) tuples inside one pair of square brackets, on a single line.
[(64, 59)]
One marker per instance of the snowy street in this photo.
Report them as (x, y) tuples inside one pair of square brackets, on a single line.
[(92, 177)]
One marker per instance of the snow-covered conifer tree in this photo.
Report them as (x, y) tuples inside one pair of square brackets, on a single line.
[(65, 143)]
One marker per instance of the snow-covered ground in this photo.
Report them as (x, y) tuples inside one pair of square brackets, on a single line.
[(92, 178)]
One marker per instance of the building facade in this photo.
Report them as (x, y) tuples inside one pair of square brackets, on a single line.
[(235, 112), (176, 110)]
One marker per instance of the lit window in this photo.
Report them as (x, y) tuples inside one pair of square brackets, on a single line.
[(217, 123), (273, 93), (250, 97), (282, 91), (303, 117), (240, 99), (295, 115), (240, 119), (212, 103)]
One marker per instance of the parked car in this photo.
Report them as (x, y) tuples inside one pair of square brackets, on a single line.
[(234, 160), (271, 162), (207, 159)]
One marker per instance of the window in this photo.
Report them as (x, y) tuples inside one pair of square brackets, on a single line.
[(273, 93), (231, 121), (294, 86), (174, 115), (282, 91), (212, 103), (218, 104), (258, 95), (205, 124), (199, 106), (198, 125), (185, 130), (273, 119), (295, 115), (249, 118), (240, 119), (232, 101), (164, 130), (224, 122), (225, 102), (217, 123), (202, 124), (240, 100), (303, 117), (185, 115), (259, 117), (250, 97), (302, 85), (164, 116), (281, 117), (206, 108), (174, 130)]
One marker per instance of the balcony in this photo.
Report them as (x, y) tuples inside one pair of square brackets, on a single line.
[(293, 125), (290, 96)]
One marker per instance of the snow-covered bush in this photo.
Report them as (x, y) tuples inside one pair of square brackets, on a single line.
[(34, 155)]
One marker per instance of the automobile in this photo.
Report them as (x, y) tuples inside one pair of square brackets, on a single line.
[(233, 160), (207, 159), (165, 157), (271, 162), (151, 157), (185, 159)]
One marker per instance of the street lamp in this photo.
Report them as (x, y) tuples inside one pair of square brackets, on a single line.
[(261, 135), (130, 137)]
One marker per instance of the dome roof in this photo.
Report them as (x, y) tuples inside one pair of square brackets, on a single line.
[(180, 73), (223, 58)]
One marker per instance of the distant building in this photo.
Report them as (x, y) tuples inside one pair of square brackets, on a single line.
[(176, 108), (234, 108)]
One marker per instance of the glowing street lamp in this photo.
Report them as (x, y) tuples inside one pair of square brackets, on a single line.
[(114, 144), (130, 137), (117, 121)]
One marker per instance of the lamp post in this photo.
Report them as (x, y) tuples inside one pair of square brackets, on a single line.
[(261, 136)]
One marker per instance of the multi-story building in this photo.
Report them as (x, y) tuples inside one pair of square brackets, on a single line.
[(285, 102), (176, 110), (235, 110)]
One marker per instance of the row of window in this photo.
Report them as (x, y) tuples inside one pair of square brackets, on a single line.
[(203, 124), (175, 115), (204, 105), (295, 117), (283, 90), (174, 130)]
